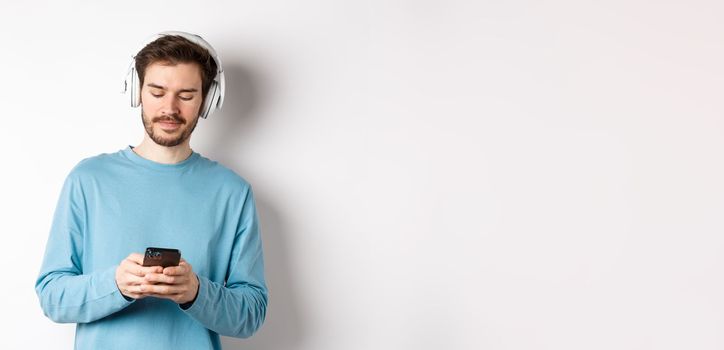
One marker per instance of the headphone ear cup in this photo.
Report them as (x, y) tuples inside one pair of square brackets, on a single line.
[(210, 101), (135, 88)]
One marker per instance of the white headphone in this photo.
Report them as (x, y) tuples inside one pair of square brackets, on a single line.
[(214, 97)]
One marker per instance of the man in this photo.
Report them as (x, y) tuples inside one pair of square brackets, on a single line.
[(158, 194)]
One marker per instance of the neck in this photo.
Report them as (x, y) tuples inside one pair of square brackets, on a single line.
[(162, 154)]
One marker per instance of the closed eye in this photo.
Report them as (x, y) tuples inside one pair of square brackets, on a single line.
[(181, 97)]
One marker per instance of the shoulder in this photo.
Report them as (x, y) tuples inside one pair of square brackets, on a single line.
[(222, 175), (92, 166)]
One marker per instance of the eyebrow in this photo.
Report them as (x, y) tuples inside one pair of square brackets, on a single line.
[(163, 88)]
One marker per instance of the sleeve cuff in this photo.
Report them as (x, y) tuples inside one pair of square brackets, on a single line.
[(109, 281), (196, 306), (185, 306)]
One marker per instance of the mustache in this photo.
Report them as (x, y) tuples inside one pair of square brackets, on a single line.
[(172, 117)]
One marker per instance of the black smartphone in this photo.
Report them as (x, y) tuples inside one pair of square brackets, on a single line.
[(163, 257)]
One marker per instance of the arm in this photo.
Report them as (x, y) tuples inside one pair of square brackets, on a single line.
[(238, 308), (66, 294)]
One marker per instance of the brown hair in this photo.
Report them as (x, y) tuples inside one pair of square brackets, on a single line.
[(175, 49)]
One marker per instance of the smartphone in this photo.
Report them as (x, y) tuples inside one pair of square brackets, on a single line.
[(163, 257)]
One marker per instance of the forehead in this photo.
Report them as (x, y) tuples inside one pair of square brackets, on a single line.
[(173, 77)]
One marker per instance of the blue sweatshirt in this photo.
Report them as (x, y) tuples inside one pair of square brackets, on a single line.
[(115, 204)]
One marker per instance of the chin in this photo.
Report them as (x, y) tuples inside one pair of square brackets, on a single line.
[(168, 143)]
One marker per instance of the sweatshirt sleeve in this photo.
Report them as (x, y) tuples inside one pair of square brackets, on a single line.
[(238, 307), (66, 294)]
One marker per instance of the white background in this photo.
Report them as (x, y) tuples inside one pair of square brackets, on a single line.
[(429, 174)]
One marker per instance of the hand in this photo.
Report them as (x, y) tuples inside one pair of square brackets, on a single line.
[(177, 283), (130, 275)]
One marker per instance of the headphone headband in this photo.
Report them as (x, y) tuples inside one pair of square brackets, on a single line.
[(214, 98)]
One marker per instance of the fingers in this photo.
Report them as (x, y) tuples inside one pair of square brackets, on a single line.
[(130, 273), (131, 294), (158, 289), (132, 265), (163, 278), (127, 284), (131, 280), (136, 258), (141, 271), (173, 282), (183, 268)]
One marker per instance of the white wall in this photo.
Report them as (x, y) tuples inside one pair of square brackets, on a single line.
[(430, 174)]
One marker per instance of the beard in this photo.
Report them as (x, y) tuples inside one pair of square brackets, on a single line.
[(160, 137)]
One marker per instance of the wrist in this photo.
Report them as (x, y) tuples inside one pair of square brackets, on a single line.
[(188, 304), (115, 280)]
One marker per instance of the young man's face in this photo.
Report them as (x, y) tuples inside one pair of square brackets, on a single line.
[(170, 102)]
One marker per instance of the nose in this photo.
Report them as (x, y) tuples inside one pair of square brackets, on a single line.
[(169, 105)]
